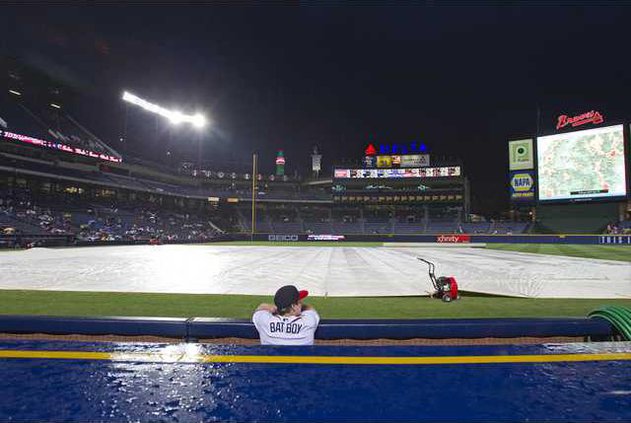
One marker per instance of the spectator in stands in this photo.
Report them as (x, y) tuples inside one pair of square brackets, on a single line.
[(612, 229), (9, 230), (288, 321)]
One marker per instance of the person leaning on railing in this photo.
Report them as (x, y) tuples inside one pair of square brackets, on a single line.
[(288, 321)]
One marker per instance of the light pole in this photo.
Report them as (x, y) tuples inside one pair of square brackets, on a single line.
[(254, 181), (199, 151)]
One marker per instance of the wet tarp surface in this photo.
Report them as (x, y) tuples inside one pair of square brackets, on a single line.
[(331, 271)]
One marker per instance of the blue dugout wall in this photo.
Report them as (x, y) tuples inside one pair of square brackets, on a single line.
[(194, 328)]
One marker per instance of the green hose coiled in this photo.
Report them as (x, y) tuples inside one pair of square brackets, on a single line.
[(619, 317)]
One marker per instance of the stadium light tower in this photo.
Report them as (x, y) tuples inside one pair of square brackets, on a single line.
[(175, 117)]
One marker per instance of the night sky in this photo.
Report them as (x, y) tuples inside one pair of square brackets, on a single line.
[(463, 80)]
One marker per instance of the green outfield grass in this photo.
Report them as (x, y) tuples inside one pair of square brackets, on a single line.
[(609, 252), (241, 306)]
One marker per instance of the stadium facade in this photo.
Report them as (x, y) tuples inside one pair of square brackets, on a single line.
[(61, 183), (59, 178)]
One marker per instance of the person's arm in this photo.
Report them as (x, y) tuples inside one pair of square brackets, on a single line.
[(306, 307), (266, 307), (310, 316)]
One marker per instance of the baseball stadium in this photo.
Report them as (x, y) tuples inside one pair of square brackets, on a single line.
[(127, 284)]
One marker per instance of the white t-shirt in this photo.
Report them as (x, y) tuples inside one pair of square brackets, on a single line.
[(286, 330)]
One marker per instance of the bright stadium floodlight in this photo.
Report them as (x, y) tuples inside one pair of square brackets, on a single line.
[(177, 117), (15, 92), (56, 106), (174, 116), (199, 121)]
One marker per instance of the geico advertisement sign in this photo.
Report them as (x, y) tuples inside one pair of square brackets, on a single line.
[(453, 238), (292, 238)]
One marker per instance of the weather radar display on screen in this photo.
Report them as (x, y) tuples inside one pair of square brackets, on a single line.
[(582, 165)]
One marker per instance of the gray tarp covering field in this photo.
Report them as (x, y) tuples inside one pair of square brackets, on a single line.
[(332, 271)]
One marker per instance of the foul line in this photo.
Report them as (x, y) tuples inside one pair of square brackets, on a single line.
[(297, 359)]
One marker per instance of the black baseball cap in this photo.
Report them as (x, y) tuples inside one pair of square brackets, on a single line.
[(288, 295)]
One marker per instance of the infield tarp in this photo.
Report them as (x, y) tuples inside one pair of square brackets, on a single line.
[(330, 271)]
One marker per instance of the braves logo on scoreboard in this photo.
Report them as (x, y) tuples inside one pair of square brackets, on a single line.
[(522, 186)]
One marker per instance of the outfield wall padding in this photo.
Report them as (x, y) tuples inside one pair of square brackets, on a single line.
[(200, 327), (593, 239), (48, 241)]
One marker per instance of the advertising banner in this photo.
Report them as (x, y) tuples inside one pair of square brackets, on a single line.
[(415, 160), (282, 238), (520, 155), (453, 238), (384, 161), (424, 172), (325, 237), (522, 186), (614, 239), (342, 173), (396, 160), (58, 146)]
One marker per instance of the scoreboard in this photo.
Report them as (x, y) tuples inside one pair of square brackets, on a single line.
[(584, 164), (398, 184), (424, 172), (398, 198)]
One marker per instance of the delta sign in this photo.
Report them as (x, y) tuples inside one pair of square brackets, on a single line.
[(396, 148)]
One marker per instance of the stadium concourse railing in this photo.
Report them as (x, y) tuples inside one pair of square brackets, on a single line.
[(195, 328)]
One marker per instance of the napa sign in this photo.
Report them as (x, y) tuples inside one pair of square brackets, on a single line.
[(522, 186)]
